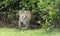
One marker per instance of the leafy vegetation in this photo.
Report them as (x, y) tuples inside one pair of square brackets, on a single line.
[(48, 10)]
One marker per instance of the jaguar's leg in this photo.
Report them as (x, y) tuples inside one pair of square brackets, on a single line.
[(26, 25), (19, 24)]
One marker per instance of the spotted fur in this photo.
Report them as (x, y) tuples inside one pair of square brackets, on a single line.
[(24, 18)]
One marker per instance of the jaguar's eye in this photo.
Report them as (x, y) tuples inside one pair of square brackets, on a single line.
[(25, 16), (22, 16)]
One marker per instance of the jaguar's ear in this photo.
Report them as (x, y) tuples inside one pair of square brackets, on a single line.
[(25, 12), (20, 11)]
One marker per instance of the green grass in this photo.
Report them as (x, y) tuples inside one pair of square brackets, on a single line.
[(37, 32)]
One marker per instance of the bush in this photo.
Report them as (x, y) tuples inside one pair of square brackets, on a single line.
[(48, 10)]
